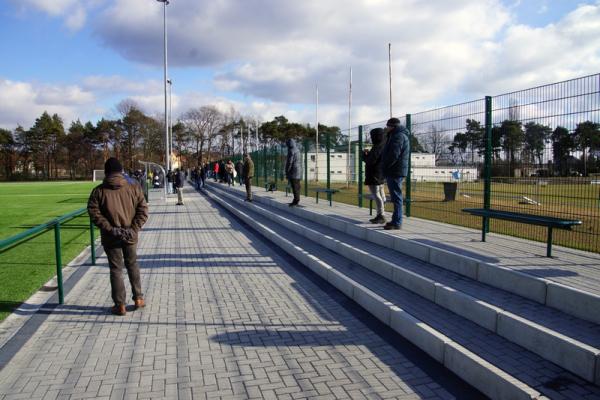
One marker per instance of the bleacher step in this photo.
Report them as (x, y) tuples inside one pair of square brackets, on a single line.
[(382, 306)]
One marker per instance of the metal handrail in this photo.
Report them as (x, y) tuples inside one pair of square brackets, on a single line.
[(55, 223)]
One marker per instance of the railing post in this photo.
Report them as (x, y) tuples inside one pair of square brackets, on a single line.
[(92, 242), (59, 278), (408, 197), (360, 165), (487, 169)]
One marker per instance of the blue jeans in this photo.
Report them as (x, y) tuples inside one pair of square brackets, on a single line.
[(395, 189)]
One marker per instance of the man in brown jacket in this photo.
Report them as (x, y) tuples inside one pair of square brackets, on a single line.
[(118, 208), (248, 171)]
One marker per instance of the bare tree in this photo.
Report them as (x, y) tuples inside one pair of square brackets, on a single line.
[(436, 142), (203, 124)]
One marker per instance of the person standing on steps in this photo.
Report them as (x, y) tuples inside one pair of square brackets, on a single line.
[(374, 178), (248, 172), (395, 167), (118, 208), (293, 170), (179, 180)]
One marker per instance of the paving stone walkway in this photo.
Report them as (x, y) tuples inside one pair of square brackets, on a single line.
[(227, 317)]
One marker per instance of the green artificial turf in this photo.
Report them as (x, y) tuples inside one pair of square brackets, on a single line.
[(25, 267)]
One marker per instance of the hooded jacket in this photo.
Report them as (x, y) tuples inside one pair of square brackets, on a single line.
[(373, 161), (395, 153), (117, 202), (293, 164)]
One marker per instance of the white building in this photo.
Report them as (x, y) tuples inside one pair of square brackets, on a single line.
[(423, 168)]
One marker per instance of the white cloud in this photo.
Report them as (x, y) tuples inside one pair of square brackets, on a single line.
[(442, 50), (23, 102)]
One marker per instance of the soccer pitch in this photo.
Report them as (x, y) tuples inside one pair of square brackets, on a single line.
[(26, 267)]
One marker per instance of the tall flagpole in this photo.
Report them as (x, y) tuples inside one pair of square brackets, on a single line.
[(317, 135), (390, 74), (349, 130), (167, 155)]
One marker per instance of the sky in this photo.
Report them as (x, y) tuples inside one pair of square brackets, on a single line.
[(264, 58)]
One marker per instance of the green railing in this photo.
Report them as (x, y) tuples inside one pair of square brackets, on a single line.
[(55, 224)]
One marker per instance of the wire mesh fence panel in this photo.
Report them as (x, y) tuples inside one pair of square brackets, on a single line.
[(546, 159), (446, 162)]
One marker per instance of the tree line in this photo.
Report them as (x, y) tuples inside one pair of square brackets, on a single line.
[(48, 150)]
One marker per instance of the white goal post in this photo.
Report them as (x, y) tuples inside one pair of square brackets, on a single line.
[(98, 175)]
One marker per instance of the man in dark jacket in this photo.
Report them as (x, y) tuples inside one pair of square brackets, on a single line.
[(179, 179), (395, 167), (248, 172), (239, 170), (293, 170), (118, 208), (374, 178)]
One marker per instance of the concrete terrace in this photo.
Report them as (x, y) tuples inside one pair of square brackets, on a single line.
[(262, 301)]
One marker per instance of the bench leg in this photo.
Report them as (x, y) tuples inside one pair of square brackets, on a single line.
[(484, 228), (317, 197), (549, 243), (330, 197), (371, 207)]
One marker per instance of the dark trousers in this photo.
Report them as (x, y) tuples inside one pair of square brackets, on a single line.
[(395, 189), (248, 182), (296, 189), (118, 257)]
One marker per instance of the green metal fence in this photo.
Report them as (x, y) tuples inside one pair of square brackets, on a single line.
[(535, 151), (55, 225)]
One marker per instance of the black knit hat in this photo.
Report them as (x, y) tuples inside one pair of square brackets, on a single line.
[(393, 122), (111, 166)]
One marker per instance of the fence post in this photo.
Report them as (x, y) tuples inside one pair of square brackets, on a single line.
[(256, 156), (59, 278), (487, 169), (360, 165), (306, 167), (408, 198), (264, 162), (92, 242), (328, 144)]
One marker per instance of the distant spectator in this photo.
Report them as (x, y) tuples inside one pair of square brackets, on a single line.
[(395, 167), (118, 208), (216, 171), (170, 182), (374, 178), (179, 180), (230, 171), (293, 170), (239, 169), (248, 172)]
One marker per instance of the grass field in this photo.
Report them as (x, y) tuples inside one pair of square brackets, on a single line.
[(26, 267), (563, 200)]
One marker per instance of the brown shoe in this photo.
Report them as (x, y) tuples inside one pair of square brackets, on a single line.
[(118, 309), (139, 303)]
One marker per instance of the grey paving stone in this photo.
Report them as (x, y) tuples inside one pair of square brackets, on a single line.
[(226, 317)]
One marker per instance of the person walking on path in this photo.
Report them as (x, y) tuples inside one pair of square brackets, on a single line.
[(248, 171), (395, 167), (293, 170), (374, 178), (118, 208), (179, 180)]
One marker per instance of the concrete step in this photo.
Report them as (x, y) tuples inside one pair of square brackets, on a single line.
[(488, 361), (579, 303), (567, 341)]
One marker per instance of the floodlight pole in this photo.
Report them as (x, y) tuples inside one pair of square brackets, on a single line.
[(170, 136), (167, 155)]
